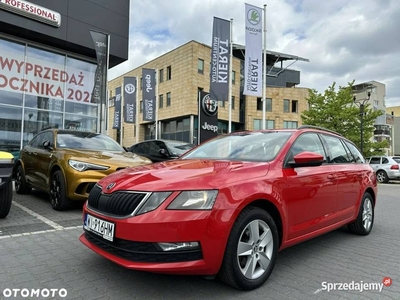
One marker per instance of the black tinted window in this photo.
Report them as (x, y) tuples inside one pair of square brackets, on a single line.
[(37, 140), (397, 159), (385, 160)]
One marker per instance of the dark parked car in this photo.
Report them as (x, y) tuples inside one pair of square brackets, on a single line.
[(228, 206), (161, 150), (67, 164)]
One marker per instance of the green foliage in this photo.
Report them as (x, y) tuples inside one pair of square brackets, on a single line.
[(336, 110)]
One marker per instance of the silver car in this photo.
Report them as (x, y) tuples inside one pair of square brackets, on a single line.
[(386, 167)]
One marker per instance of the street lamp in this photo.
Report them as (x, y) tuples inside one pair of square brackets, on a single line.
[(361, 103)]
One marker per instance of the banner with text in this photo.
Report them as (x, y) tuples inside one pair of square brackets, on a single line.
[(149, 94), (44, 79), (220, 57), (100, 41), (130, 84), (208, 117), (253, 56), (117, 111)]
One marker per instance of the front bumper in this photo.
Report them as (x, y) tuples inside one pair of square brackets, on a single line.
[(135, 241)]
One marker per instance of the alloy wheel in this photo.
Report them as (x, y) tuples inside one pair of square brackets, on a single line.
[(367, 214), (255, 249), (55, 191)]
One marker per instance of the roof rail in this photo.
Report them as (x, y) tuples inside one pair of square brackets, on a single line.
[(319, 128)]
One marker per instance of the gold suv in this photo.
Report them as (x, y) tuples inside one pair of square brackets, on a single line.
[(66, 164)]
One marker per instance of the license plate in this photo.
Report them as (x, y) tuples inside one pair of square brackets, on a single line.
[(100, 227)]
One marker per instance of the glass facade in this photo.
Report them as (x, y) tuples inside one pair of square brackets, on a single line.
[(41, 89)]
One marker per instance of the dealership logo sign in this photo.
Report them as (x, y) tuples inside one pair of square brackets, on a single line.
[(253, 16), (210, 107), (130, 88), (32, 11)]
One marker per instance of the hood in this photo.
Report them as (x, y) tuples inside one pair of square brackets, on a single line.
[(184, 175), (121, 159)]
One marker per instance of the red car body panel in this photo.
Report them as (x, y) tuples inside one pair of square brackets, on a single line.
[(301, 196)]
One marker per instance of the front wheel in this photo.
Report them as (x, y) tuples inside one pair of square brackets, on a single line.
[(58, 192), (21, 186), (251, 250), (365, 218), (6, 195)]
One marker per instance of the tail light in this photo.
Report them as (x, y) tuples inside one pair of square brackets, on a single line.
[(394, 167)]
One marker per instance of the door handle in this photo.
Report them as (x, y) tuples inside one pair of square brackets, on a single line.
[(332, 176)]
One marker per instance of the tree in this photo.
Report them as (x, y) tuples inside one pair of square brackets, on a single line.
[(336, 110)]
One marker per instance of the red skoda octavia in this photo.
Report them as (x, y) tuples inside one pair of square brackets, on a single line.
[(228, 206)]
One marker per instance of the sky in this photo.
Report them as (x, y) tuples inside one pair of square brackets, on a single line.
[(344, 40)]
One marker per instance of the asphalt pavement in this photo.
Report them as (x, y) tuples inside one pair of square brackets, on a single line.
[(42, 258)]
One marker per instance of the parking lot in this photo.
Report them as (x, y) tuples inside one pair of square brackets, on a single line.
[(40, 253)]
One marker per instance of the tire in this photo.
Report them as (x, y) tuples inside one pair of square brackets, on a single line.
[(382, 177), (21, 186), (58, 192), (365, 218), (263, 249), (6, 195)]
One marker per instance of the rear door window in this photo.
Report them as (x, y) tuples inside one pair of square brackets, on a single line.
[(337, 152), (375, 161)]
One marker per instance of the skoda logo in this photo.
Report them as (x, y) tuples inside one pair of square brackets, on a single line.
[(130, 88), (210, 107), (110, 186), (253, 16)]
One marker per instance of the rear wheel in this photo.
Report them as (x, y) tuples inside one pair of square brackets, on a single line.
[(251, 250), (6, 195), (21, 186), (365, 219), (58, 192), (382, 177)]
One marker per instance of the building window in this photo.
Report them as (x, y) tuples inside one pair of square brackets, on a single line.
[(111, 102), (169, 73), (295, 106), (141, 83), (290, 124), (286, 105), (233, 102), (161, 76), (141, 106), (169, 99), (160, 101), (259, 104), (200, 66), (221, 103), (233, 77), (268, 104), (269, 124), (376, 103)]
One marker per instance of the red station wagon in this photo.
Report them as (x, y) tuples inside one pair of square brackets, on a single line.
[(228, 206)]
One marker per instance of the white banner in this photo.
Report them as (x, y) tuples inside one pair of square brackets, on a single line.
[(253, 58), (42, 78)]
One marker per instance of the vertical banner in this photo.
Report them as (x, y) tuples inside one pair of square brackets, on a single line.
[(130, 99), (118, 106), (208, 117), (219, 74), (253, 56), (149, 94), (99, 93)]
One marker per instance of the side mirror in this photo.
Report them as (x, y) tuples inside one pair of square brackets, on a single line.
[(163, 152), (46, 145), (307, 159)]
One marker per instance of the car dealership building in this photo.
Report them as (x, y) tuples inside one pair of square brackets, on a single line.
[(48, 63)]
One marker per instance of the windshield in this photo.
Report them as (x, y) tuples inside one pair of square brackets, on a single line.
[(178, 148), (87, 140), (243, 146)]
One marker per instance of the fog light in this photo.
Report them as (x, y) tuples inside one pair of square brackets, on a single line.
[(179, 246)]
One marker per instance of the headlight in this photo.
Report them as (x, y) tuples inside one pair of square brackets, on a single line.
[(153, 202), (83, 166), (189, 200)]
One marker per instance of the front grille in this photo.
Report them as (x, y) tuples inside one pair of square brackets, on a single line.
[(117, 204), (141, 251)]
